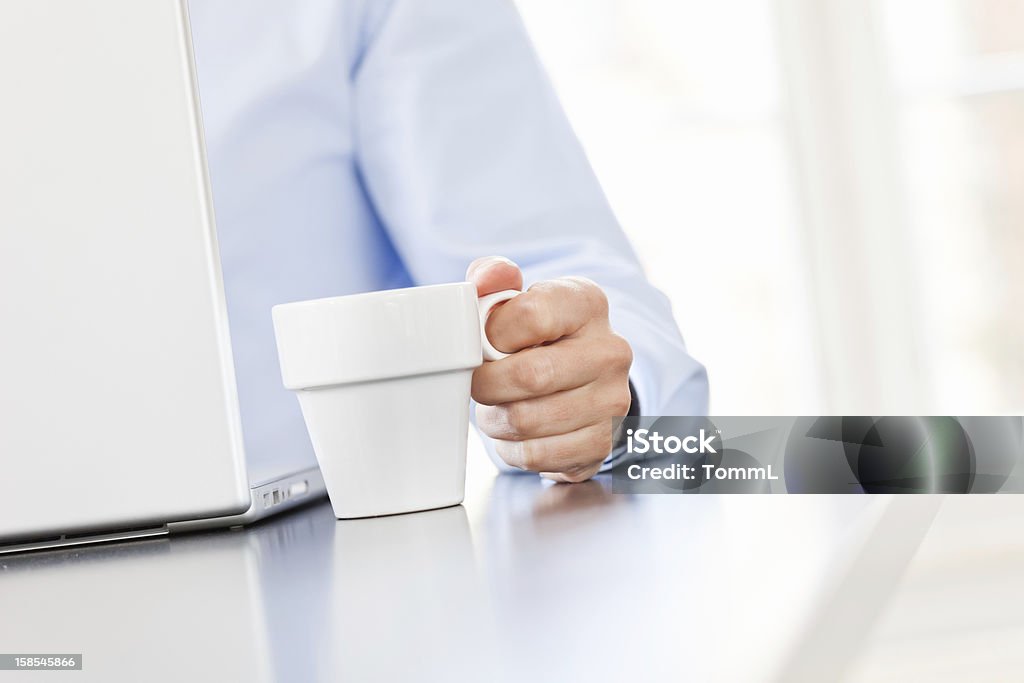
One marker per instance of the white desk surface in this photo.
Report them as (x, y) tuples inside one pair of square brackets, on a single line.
[(536, 582)]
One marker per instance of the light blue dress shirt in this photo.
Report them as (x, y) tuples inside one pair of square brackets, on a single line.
[(358, 145)]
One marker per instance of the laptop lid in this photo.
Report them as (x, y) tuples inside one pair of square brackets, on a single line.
[(118, 404)]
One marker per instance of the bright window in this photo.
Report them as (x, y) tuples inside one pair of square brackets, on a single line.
[(831, 193)]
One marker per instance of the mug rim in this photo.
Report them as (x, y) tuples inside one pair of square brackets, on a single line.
[(380, 335), (375, 294)]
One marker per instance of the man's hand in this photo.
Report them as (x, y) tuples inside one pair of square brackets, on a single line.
[(548, 405)]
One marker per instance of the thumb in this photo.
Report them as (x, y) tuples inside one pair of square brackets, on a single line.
[(494, 274)]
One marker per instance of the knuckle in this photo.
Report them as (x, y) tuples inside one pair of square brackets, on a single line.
[(531, 456), (537, 315), (621, 352), (625, 400), (598, 299), (535, 374), (591, 293), (619, 400), (518, 416)]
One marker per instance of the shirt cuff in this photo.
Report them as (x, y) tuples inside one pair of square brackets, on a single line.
[(618, 454)]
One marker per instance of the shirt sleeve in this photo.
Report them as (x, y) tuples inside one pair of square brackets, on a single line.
[(464, 151)]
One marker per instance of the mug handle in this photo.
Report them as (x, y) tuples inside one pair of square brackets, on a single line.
[(485, 305)]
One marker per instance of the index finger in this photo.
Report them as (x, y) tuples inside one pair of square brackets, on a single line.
[(544, 313)]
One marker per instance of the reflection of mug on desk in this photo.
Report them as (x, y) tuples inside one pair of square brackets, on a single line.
[(384, 383), (408, 601)]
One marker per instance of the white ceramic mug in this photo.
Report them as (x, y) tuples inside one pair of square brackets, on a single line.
[(383, 380)]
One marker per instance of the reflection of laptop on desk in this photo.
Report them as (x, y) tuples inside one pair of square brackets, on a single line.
[(119, 413)]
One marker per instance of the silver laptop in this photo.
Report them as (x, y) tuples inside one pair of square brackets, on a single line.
[(119, 413)]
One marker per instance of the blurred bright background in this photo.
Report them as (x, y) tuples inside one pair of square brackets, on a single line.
[(830, 191)]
